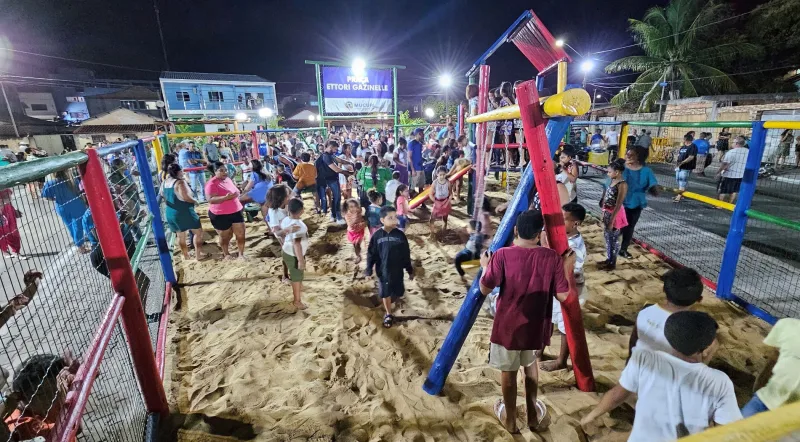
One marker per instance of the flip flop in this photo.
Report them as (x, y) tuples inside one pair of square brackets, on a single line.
[(499, 406), (387, 321), (542, 417)]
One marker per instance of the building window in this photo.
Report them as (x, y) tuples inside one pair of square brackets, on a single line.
[(150, 105), (98, 139), (215, 96), (182, 96), (133, 104), (39, 107)]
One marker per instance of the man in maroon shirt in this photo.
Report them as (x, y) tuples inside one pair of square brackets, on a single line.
[(529, 277)]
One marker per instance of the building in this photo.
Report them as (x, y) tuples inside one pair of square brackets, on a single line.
[(23, 131), (193, 95), (119, 124), (136, 98)]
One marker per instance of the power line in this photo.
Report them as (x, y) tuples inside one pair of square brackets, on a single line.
[(608, 85), (77, 60)]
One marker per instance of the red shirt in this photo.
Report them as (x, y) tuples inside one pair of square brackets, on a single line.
[(529, 280)]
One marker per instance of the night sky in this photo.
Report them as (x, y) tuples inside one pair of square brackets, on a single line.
[(273, 38)]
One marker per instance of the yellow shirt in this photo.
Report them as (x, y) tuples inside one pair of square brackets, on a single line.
[(784, 385), (306, 175)]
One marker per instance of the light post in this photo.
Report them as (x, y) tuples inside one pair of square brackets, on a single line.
[(445, 81), (586, 67)]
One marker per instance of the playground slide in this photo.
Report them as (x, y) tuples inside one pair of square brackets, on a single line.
[(417, 200)]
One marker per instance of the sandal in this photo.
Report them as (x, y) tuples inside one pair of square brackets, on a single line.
[(499, 406), (387, 321), (542, 417)]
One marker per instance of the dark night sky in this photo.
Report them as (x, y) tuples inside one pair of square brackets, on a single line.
[(273, 38)]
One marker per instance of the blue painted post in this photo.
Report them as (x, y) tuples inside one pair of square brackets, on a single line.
[(733, 243), (556, 128), (152, 205), (539, 83)]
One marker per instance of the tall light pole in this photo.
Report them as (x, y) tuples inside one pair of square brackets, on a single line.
[(586, 67), (161, 33), (445, 81)]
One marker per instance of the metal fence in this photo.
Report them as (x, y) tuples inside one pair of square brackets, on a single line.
[(754, 260), (70, 326)]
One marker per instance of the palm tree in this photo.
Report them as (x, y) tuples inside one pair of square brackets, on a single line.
[(681, 49)]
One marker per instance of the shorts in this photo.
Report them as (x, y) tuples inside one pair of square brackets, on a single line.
[(728, 186), (295, 274), (510, 360), (224, 222), (391, 289), (682, 177), (558, 317), (402, 221), (417, 180)]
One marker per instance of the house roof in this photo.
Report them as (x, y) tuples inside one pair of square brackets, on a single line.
[(131, 93), (115, 129), (200, 76), (29, 125)]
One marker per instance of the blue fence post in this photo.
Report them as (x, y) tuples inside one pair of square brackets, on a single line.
[(733, 243), (146, 178)]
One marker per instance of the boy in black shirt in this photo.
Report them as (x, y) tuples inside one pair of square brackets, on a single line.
[(284, 176), (687, 161), (390, 254)]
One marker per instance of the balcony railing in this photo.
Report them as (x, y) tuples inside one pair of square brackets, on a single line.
[(225, 105)]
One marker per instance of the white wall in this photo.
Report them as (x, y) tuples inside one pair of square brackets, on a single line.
[(31, 99)]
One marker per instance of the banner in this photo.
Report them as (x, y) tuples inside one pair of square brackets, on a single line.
[(347, 93)]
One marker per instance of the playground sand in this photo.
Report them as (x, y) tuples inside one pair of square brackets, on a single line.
[(244, 364)]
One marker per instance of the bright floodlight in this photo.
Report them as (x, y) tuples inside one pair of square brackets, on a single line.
[(445, 80), (429, 113), (587, 65), (265, 112), (560, 43), (359, 65), (598, 96), (311, 117), (241, 116)]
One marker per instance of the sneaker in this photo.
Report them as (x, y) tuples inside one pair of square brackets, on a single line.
[(341, 222), (625, 254)]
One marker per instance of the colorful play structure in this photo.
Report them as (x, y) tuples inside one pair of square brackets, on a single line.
[(545, 122)]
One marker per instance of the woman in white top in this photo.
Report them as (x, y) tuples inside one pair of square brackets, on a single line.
[(569, 172)]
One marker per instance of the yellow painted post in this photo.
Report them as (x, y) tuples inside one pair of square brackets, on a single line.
[(158, 151), (623, 139), (562, 77), (503, 178)]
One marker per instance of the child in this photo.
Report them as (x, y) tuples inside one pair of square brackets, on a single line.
[(473, 248), (778, 384), (374, 210), (230, 167), (355, 225), (486, 218), (678, 393), (683, 288), (574, 214), (10, 239), (459, 163), (390, 254), (277, 200), (306, 175), (295, 246), (613, 214), (440, 197), (401, 201), (284, 177), (391, 187)]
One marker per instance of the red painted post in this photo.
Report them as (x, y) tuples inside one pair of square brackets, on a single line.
[(123, 282), (533, 123), (480, 142), (254, 139)]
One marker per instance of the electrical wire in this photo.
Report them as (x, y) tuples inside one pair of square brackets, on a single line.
[(77, 60), (698, 78)]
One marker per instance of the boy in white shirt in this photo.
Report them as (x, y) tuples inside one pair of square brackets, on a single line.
[(391, 187), (295, 246), (678, 393), (683, 288), (574, 215)]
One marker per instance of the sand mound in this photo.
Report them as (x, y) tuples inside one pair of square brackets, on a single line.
[(245, 365)]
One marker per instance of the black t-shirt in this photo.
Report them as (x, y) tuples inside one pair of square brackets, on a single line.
[(324, 171), (686, 152)]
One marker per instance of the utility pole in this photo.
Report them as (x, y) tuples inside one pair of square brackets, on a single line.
[(161, 34), (10, 112)]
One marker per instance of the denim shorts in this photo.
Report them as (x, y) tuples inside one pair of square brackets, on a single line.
[(682, 177)]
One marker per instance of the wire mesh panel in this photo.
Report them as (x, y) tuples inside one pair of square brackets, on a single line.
[(56, 290)]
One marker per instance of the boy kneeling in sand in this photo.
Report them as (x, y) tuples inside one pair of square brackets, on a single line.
[(295, 246), (529, 277), (390, 254), (678, 393)]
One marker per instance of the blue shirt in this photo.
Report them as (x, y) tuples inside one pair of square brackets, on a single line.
[(597, 139), (183, 158), (639, 182), (415, 147), (702, 146)]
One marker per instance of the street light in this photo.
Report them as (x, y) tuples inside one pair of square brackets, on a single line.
[(241, 117), (359, 65), (598, 96), (445, 81), (311, 117), (560, 43), (265, 112), (429, 112), (587, 66)]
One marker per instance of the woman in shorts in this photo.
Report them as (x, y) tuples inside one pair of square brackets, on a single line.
[(225, 209)]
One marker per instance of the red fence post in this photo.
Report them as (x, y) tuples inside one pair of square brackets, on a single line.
[(254, 140), (123, 281)]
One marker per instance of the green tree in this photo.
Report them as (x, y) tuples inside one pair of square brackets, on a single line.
[(683, 48), (404, 118)]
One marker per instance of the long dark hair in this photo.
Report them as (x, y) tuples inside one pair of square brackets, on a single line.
[(276, 195), (383, 149), (258, 168), (173, 170), (166, 161), (373, 162)]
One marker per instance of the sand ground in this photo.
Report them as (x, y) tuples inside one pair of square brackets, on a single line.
[(243, 364)]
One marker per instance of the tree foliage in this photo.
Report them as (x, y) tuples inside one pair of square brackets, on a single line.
[(684, 48)]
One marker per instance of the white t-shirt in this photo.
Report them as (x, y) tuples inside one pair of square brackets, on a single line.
[(737, 158), (389, 158), (246, 168), (578, 246), (391, 190), (676, 394), (288, 243), (275, 217), (613, 138), (650, 328)]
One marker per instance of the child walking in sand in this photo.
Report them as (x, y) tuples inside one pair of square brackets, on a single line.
[(10, 239), (613, 216), (278, 199), (374, 210), (355, 226), (473, 248), (295, 246), (389, 254), (401, 200), (440, 197)]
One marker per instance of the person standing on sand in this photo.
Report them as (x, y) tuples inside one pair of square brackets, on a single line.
[(294, 249), (529, 277), (225, 209)]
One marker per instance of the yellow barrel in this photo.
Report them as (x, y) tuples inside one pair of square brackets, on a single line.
[(573, 102)]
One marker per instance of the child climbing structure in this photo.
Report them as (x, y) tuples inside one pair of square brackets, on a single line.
[(545, 122)]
